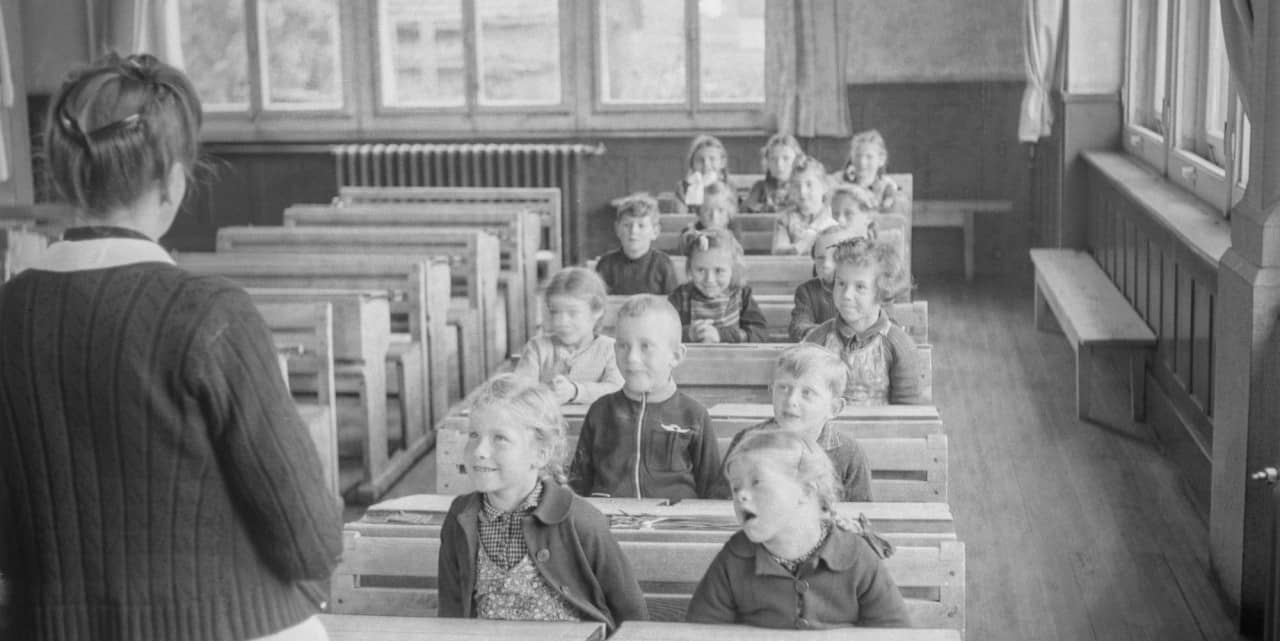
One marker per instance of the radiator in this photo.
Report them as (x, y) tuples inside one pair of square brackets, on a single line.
[(476, 165)]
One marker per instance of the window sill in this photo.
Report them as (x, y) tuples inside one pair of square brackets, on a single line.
[(1199, 226)]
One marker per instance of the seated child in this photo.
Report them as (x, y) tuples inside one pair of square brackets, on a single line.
[(719, 210), (637, 268), (865, 173), (716, 306), (569, 356), (799, 226), (772, 193), (813, 305), (808, 383), (848, 212), (708, 164), (882, 360), (784, 490), (514, 454), (648, 439)]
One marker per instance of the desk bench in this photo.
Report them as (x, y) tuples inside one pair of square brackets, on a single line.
[(1094, 315), (957, 213), (659, 631)]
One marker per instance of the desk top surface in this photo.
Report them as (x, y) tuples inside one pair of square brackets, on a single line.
[(352, 627), (655, 631)]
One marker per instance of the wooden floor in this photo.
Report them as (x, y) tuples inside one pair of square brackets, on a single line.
[(1074, 531)]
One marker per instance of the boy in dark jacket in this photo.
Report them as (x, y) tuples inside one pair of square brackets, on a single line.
[(648, 439)]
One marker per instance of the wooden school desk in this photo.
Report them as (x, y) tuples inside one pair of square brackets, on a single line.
[(355, 627), (656, 631)]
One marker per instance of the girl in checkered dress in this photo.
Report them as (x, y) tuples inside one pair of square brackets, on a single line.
[(523, 546)]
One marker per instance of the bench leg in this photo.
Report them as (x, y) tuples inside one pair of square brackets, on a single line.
[(1042, 314), (1138, 384), (968, 246), (1084, 359)]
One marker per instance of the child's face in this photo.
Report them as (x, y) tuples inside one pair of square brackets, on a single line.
[(803, 404), (811, 190), (711, 271), (854, 293), (714, 214), (845, 210), (708, 161), (824, 257), (647, 348), (502, 456), (767, 501), (571, 320), (779, 162), (867, 160), (636, 233)]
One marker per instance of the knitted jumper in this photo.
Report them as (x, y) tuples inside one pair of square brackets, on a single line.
[(156, 481)]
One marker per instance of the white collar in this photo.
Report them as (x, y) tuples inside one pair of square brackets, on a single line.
[(100, 253)]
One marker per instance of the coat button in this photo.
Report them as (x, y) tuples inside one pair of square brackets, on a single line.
[(802, 624), (543, 555), (802, 587)]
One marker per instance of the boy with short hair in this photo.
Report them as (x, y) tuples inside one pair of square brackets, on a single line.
[(637, 268), (648, 439), (808, 387), (813, 302)]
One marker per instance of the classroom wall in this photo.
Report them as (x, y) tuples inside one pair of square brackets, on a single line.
[(968, 41), (55, 39)]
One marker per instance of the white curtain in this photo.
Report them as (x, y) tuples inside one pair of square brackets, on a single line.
[(805, 67), (1042, 31), (6, 95), (1237, 31)]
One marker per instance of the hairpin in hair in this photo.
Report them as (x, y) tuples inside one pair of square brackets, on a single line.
[(704, 241)]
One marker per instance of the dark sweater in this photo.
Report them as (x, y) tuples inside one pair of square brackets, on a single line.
[(679, 460), (652, 273), (813, 307), (156, 481)]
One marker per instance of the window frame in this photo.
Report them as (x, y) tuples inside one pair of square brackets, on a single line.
[(1180, 155), (580, 110)]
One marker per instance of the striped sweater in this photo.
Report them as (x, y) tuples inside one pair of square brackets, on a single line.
[(156, 481)]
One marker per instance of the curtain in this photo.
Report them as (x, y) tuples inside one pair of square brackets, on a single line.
[(1237, 31), (1042, 30), (6, 96), (135, 26), (805, 67)]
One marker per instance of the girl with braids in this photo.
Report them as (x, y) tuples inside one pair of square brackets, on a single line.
[(795, 564), (523, 546), (177, 494)]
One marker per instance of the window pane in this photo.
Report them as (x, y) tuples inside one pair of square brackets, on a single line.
[(301, 59), (1215, 112), (518, 47), (1150, 63), (1245, 143), (421, 53), (642, 51), (214, 52), (731, 50)]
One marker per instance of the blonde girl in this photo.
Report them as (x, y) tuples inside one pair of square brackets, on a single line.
[(810, 213), (719, 210), (514, 455), (707, 164), (569, 356), (865, 172), (778, 158), (716, 306), (784, 492)]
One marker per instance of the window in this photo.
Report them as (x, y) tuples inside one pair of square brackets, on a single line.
[(290, 51), (322, 69), (1197, 137), (665, 52)]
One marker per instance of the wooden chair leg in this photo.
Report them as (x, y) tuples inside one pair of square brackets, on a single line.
[(1138, 384)]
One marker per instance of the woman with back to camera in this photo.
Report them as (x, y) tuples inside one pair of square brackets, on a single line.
[(156, 481)]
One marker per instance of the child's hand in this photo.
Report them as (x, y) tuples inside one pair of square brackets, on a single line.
[(564, 389), (693, 194), (706, 331)]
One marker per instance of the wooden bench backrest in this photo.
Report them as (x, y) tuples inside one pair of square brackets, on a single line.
[(517, 233), (417, 288), (303, 332), (473, 259), (751, 366), (392, 575), (677, 631), (545, 201)]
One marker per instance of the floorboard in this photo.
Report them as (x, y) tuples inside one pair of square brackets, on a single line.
[(1075, 531)]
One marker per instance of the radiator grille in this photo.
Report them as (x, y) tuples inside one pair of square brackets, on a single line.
[(474, 165)]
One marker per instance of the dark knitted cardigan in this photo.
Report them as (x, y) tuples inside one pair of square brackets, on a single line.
[(156, 481)]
